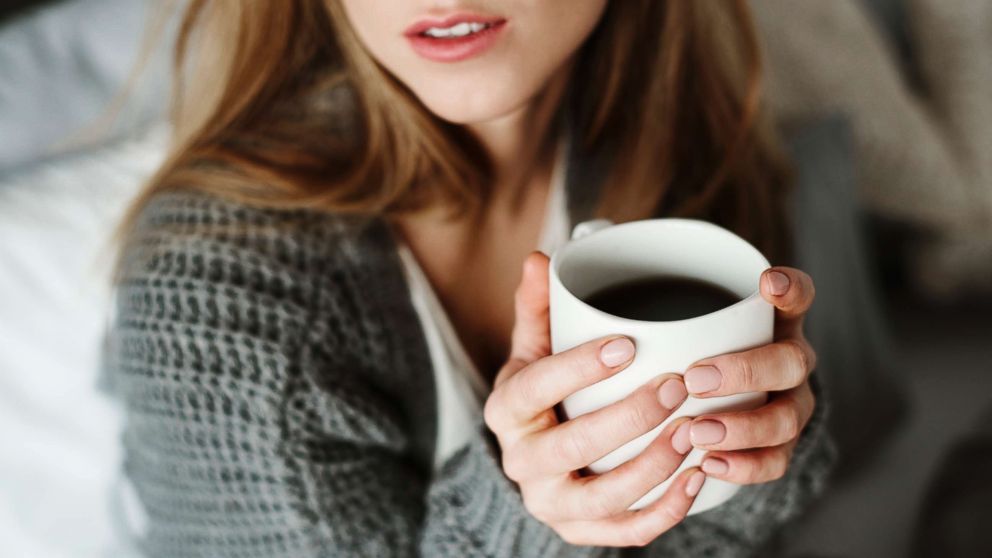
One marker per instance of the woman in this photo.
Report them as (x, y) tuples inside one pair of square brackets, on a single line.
[(321, 342)]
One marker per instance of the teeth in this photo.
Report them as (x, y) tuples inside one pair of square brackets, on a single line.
[(460, 30)]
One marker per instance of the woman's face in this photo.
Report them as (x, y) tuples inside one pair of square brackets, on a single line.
[(471, 61)]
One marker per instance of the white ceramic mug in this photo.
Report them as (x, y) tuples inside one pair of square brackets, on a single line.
[(601, 254)]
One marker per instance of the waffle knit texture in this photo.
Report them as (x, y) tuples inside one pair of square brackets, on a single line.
[(280, 402)]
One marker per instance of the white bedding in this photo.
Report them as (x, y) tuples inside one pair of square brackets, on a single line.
[(58, 431), (61, 66)]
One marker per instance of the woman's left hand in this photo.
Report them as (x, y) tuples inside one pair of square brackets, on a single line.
[(755, 446)]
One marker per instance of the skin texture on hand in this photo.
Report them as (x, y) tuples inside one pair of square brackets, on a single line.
[(543, 456), (755, 446)]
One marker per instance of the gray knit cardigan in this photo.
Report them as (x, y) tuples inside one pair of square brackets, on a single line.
[(280, 401)]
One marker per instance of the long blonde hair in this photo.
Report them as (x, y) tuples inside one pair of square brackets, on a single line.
[(278, 104)]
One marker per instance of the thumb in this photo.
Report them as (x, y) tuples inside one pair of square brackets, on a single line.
[(531, 338)]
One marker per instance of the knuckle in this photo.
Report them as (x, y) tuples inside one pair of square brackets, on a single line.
[(755, 473), (791, 422), (653, 462), (771, 467), (749, 429), (801, 358), (640, 541), (778, 465), (588, 372), (599, 508), (745, 371), (587, 365), (514, 467), (638, 417), (748, 470), (536, 506), (809, 356), (601, 503), (640, 536), (492, 413), (570, 535), (810, 288), (811, 406), (519, 298), (513, 366), (567, 536), (571, 447), (529, 385), (674, 512)]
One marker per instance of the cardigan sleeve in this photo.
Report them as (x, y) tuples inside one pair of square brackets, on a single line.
[(249, 434)]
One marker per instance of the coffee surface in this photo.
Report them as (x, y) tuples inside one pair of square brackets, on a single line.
[(662, 298)]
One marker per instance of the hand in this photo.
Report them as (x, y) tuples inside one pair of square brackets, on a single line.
[(755, 446), (542, 455)]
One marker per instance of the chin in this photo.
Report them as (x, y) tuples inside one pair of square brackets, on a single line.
[(473, 105)]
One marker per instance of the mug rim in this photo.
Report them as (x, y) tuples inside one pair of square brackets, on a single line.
[(556, 257)]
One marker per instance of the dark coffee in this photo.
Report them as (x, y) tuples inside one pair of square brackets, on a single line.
[(661, 299)]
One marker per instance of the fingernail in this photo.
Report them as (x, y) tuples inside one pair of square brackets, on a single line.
[(707, 432), (715, 466), (701, 379), (671, 394), (695, 484), (616, 352), (778, 283), (680, 439)]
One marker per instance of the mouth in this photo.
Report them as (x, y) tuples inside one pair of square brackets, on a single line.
[(454, 38)]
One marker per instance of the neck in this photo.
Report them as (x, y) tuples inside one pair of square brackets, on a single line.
[(518, 142)]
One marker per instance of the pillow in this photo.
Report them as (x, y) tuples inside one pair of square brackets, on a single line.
[(61, 433), (62, 66)]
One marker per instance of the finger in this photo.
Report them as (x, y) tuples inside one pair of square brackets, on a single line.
[(531, 337), (541, 385), (780, 421), (773, 367), (603, 496), (749, 466), (576, 443), (571, 497), (790, 290), (640, 527)]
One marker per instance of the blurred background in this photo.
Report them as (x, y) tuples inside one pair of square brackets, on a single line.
[(884, 106)]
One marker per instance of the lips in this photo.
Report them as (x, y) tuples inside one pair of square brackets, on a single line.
[(445, 39)]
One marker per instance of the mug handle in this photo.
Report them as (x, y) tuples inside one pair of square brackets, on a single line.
[(585, 228)]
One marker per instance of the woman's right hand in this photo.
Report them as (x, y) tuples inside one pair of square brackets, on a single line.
[(543, 456)]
